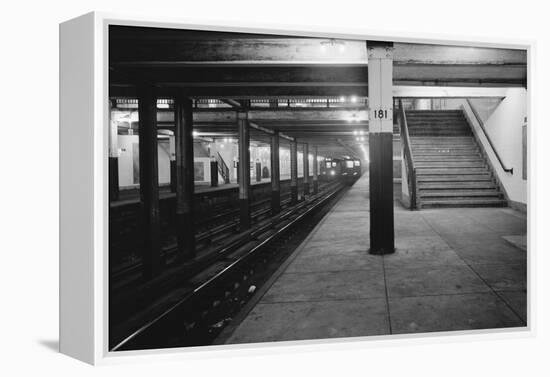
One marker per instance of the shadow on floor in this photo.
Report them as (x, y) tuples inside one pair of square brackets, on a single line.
[(52, 345)]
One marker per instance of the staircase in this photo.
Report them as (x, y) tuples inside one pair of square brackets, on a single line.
[(223, 169), (450, 169)]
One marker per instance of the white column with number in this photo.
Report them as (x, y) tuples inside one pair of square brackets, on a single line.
[(380, 96)]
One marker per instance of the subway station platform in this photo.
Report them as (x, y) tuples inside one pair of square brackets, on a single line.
[(453, 269)]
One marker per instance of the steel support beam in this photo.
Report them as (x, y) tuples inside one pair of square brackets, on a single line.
[(173, 165), (275, 175), (306, 169), (380, 148), (148, 182), (113, 158), (315, 171), (244, 169), (293, 172), (185, 176)]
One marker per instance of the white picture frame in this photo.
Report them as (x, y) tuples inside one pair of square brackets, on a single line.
[(84, 190)]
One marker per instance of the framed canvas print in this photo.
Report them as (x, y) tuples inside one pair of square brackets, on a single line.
[(226, 187)]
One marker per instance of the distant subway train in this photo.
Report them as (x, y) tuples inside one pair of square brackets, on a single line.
[(347, 169)]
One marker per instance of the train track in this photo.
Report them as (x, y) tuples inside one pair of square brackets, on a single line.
[(208, 301), (213, 230), (210, 230)]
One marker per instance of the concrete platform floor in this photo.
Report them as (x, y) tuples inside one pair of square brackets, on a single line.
[(454, 269)]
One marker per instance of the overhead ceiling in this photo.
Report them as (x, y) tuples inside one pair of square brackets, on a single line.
[(232, 66)]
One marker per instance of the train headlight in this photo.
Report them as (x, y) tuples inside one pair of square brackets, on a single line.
[(332, 172)]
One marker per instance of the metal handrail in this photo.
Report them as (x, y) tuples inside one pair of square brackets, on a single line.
[(409, 160), (482, 126), (222, 167)]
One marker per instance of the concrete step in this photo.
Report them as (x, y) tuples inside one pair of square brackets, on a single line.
[(437, 123), (441, 157), (445, 157), (436, 113), (436, 129), (460, 194), (426, 131), (446, 172), (470, 202), (439, 120), (443, 145), (436, 120), (435, 150), (424, 139), (423, 120), (442, 141), (438, 126), (440, 133), (442, 178), (457, 185), (439, 146), (437, 154), (449, 165)]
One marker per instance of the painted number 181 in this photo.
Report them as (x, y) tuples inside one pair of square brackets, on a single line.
[(380, 114)]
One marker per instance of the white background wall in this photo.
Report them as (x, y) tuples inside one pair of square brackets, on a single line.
[(504, 127), (29, 221)]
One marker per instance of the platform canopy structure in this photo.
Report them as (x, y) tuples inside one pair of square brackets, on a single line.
[(319, 92)]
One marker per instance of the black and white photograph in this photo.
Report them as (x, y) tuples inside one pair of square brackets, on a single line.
[(273, 188), (291, 188)]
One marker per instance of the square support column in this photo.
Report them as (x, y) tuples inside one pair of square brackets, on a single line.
[(185, 176), (275, 175), (244, 169), (293, 172), (306, 169), (113, 156), (380, 55), (315, 171), (148, 182), (173, 165)]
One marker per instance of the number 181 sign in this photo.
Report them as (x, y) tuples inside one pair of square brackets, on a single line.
[(381, 120), (382, 114)]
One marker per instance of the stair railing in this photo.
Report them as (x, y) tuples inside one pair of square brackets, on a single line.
[(223, 169), (409, 161), (482, 126)]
